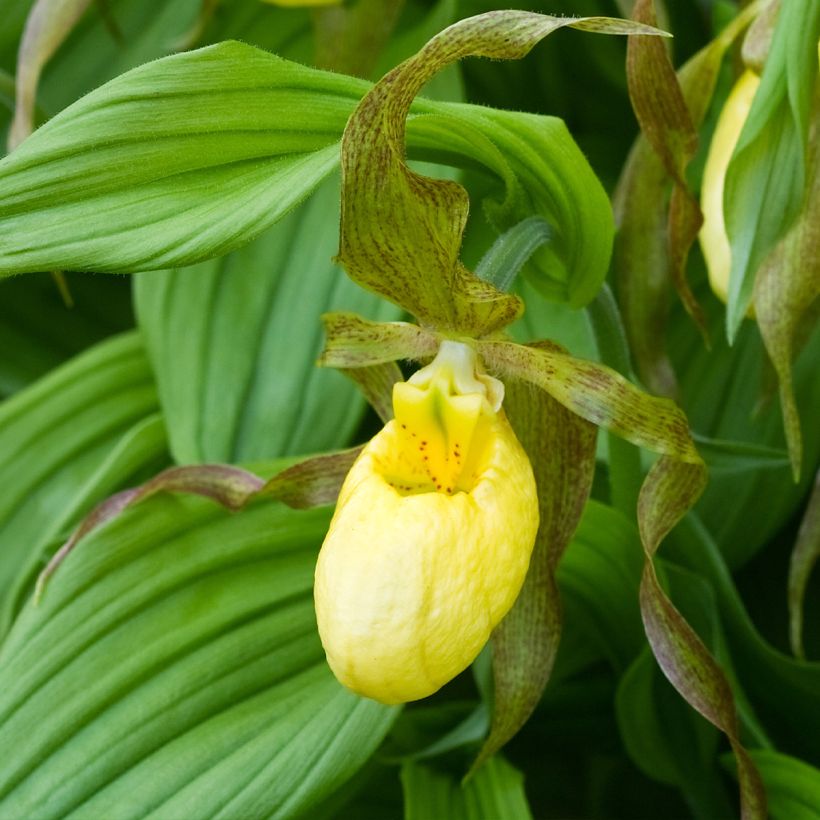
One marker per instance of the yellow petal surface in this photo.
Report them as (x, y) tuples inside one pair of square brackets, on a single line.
[(713, 238), (431, 539)]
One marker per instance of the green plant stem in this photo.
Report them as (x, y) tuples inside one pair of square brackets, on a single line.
[(625, 473)]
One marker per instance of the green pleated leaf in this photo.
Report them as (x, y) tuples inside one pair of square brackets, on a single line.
[(47, 26), (766, 178), (57, 438), (792, 785), (804, 556), (496, 790), (173, 668), (401, 232), (188, 139), (561, 448), (177, 136), (234, 343)]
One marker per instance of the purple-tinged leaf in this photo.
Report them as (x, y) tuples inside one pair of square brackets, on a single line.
[(401, 232), (355, 342), (376, 384), (561, 448)]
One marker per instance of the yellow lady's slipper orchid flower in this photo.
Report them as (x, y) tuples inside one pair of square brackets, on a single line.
[(432, 536), (713, 238)]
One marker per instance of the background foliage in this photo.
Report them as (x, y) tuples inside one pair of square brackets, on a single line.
[(173, 664)]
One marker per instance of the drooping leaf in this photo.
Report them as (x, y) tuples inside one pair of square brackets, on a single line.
[(766, 180), (401, 232), (496, 790), (257, 393), (786, 287), (56, 435), (47, 26), (597, 394), (804, 556), (680, 652), (173, 667), (561, 448), (663, 113), (178, 155), (770, 677), (793, 786), (644, 259), (669, 741), (356, 342)]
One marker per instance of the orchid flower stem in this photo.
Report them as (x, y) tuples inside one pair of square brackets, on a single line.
[(625, 473)]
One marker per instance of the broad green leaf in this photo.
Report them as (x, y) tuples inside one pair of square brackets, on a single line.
[(401, 232), (561, 448), (234, 343), (36, 324), (496, 790), (177, 137), (47, 26), (204, 151), (804, 556), (227, 708), (56, 436), (792, 785), (766, 180)]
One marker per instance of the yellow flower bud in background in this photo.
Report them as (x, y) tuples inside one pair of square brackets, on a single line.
[(432, 536), (713, 238)]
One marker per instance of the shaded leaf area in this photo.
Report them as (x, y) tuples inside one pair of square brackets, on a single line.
[(654, 232), (47, 26), (770, 678), (227, 707), (159, 148), (561, 448), (766, 179), (69, 440), (792, 785), (36, 324), (599, 577), (496, 790), (14, 19), (234, 341), (804, 556), (721, 393), (671, 129), (786, 288)]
